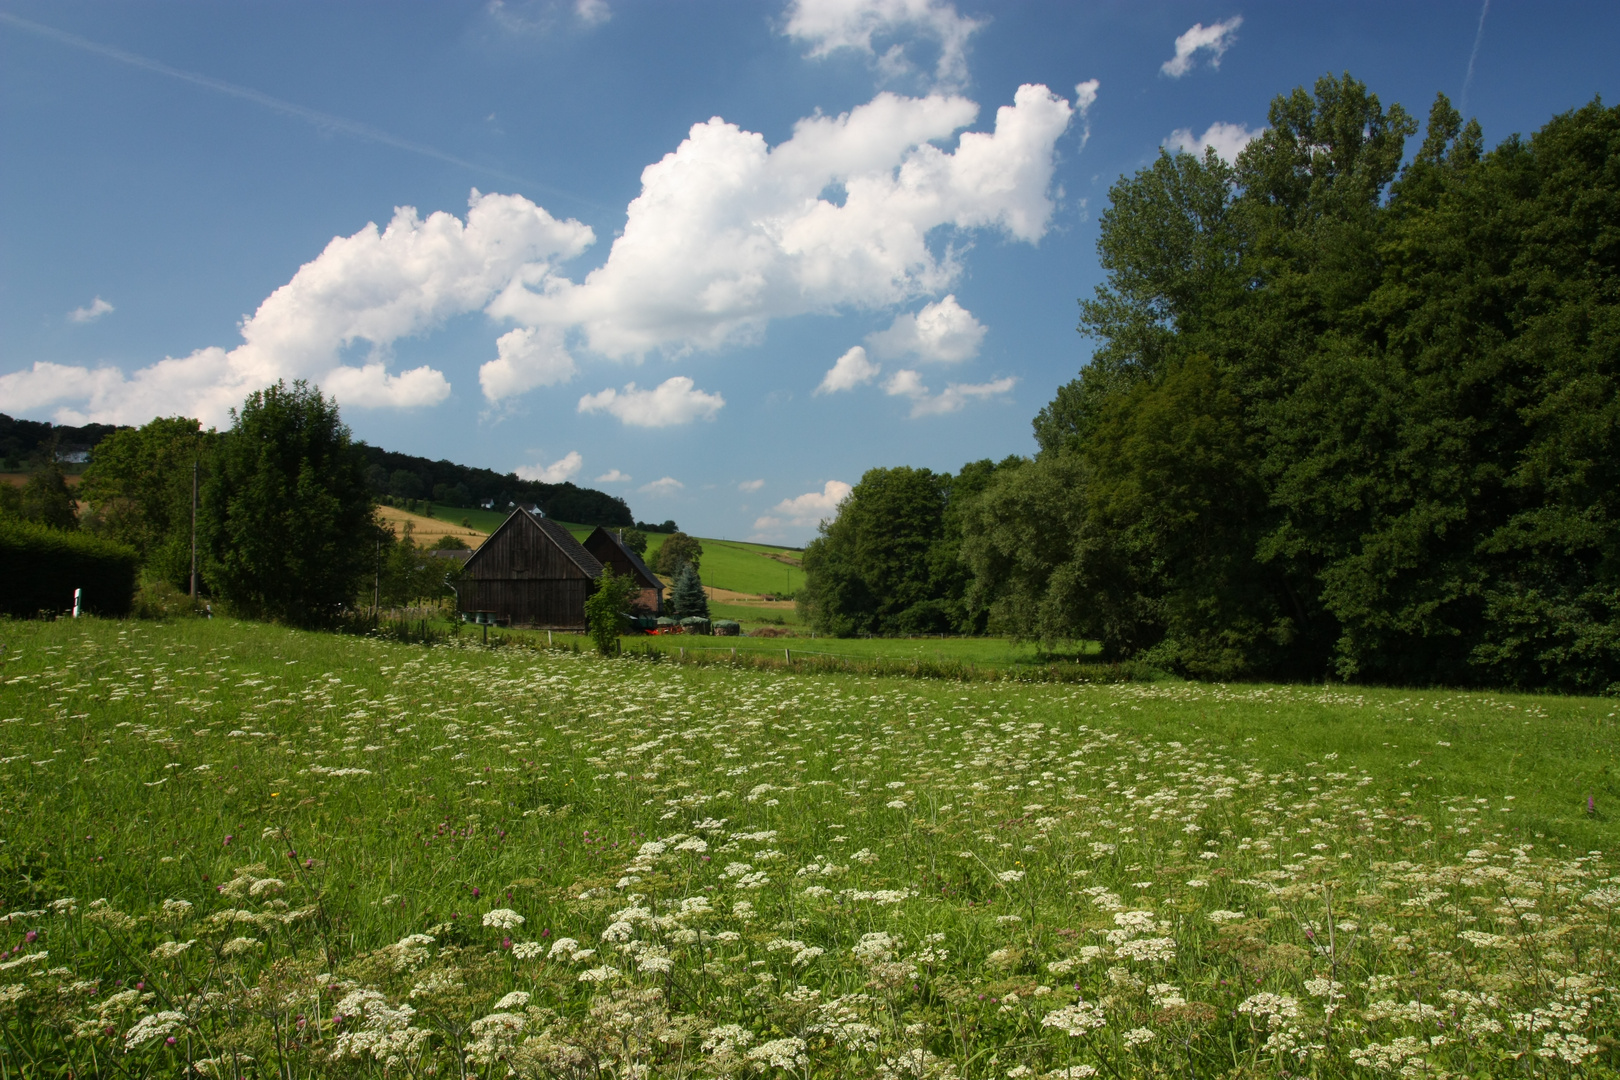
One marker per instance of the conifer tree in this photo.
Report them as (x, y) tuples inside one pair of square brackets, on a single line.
[(688, 598)]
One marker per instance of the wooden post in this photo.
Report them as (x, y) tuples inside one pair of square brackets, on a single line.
[(787, 654)]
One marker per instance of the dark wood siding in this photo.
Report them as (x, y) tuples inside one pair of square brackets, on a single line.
[(556, 604), (524, 576)]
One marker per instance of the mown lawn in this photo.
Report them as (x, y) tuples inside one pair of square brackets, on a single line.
[(249, 851)]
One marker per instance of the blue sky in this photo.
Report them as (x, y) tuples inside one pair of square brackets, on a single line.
[(717, 258)]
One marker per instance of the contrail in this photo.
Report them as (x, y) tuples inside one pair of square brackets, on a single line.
[(325, 121), (1479, 35)]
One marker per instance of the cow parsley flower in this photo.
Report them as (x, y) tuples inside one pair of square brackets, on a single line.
[(503, 919)]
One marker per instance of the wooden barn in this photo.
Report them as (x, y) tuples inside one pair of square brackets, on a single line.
[(530, 572), (609, 548)]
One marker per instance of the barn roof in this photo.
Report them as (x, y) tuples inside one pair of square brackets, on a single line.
[(570, 547), (559, 536), (649, 580)]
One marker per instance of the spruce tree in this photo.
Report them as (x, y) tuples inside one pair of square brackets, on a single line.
[(689, 599)]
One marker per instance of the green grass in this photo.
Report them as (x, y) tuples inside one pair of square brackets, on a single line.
[(982, 651), (751, 617), (217, 841), (741, 567)]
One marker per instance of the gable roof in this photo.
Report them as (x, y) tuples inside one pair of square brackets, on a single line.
[(570, 547), (559, 536), (649, 579)]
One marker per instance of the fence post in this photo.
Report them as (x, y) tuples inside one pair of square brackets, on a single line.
[(734, 654), (548, 639), (683, 652), (76, 594), (787, 654)]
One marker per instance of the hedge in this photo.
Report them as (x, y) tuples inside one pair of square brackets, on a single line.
[(40, 567)]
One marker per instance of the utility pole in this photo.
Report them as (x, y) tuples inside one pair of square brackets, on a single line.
[(194, 466)]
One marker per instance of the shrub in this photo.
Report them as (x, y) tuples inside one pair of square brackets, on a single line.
[(44, 566), (159, 598)]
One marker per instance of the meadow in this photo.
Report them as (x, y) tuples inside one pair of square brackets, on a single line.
[(230, 849)]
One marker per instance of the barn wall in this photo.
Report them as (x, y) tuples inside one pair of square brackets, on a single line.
[(556, 604)]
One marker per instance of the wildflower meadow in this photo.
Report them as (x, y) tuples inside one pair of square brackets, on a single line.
[(235, 850)]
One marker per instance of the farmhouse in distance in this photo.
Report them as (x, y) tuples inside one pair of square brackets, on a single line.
[(532, 572)]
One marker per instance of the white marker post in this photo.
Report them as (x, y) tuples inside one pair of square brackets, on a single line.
[(76, 594)]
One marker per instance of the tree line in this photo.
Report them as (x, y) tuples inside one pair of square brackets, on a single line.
[(1348, 415), (285, 524)]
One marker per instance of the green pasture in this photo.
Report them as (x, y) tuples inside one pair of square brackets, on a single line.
[(982, 651), (741, 567), (230, 849), (752, 617)]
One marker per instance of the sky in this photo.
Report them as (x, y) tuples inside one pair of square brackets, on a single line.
[(717, 258)]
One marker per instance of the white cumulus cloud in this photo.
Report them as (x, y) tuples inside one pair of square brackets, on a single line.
[(1227, 139), (729, 233), (829, 25), (807, 510), (848, 371), (750, 485), (674, 401), (376, 286), (91, 312), (909, 384), (944, 332), (1214, 39), (564, 468), (666, 485), (613, 476), (524, 359)]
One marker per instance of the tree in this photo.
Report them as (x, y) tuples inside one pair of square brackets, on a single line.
[(635, 540), (688, 598), (47, 500), (677, 551), (1343, 417), (605, 608), (869, 567), (288, 523), (138, 488)]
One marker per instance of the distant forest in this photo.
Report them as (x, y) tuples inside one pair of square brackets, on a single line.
[(26, 443), (406, 476)]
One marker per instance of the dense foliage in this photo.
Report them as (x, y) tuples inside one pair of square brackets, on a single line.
[(139, 489), (43, 567), (890, 562), (287, 521), (1344, 418), (24, 443), (678, 551), (44, 498)]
